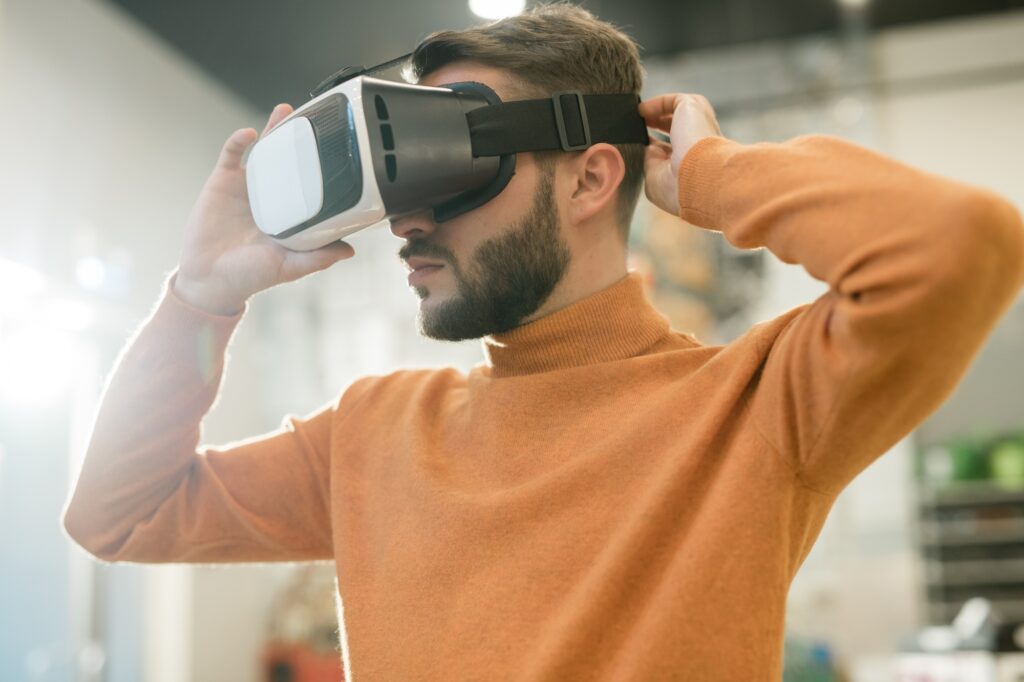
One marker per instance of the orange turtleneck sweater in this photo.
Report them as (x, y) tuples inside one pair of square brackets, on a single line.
[(603, 498)]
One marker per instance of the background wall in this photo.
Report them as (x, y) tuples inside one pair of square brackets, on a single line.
[(107, 136)]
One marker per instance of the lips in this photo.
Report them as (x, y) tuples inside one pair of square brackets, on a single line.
[(421, 269), (415, 264), (417, 276)]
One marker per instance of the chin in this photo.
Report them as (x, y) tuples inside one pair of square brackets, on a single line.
[(430, 297)]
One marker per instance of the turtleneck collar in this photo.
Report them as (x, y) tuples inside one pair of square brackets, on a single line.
[(612, 324)]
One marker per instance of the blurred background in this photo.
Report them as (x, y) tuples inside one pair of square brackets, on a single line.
[(112, 115)]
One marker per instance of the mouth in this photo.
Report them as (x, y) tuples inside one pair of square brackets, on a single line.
[(421, 269), (415, 263)]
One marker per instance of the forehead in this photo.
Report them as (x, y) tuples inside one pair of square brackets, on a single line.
[(458, 72)]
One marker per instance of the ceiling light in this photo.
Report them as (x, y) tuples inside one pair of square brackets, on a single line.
[(496, 9)]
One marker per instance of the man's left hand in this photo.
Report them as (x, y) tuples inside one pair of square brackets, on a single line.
[(687, 118)]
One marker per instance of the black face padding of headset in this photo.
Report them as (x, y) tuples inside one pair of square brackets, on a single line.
[(474, 198)]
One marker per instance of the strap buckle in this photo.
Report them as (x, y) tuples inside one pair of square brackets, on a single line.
[(556, 99)]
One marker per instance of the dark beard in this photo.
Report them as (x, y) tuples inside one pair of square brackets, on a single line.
[(508, 279)]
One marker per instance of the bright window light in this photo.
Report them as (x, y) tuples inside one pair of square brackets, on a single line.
[(68, 314), (496, 9), (18, 284), (35, 366), (90, 272)]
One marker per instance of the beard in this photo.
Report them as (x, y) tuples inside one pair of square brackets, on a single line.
[(507, 279)]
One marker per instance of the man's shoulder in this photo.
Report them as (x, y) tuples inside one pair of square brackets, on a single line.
[(757, 343), (400, 385), (756, 340)]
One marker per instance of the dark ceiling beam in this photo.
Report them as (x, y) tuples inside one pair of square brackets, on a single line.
[(269, 52)]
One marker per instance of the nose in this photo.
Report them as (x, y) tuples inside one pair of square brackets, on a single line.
[(414, 226)]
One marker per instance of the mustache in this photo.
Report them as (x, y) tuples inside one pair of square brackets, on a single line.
[(424, 250)]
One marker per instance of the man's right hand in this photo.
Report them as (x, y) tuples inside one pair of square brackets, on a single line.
[(225, 257)]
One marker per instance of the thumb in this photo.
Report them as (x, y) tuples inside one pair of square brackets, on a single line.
[(336, 251), (301, 263), (660, 182), (662, 187)]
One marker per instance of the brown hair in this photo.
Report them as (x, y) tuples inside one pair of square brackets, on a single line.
[(549, 48)]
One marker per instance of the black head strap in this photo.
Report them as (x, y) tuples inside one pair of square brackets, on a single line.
[(568, 120)]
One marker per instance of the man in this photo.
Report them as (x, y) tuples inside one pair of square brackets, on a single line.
[(602, 497)]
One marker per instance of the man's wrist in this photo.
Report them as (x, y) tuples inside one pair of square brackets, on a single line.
[(200, 296)]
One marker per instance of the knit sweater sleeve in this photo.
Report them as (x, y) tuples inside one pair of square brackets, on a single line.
[(919, 268), (148, 493)]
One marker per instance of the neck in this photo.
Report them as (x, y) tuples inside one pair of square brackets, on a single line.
[(614, 324), (590, 270)]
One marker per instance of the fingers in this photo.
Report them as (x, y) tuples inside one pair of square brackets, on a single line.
[(658, 149), (659, 111), (235, 146), (278, 114), (662, 124), (657, 108)]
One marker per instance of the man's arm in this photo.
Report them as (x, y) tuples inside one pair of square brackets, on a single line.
[(920, 269), (147, 494)]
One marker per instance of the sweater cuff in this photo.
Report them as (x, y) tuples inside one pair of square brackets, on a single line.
[(197, 337), (170, 299), (700, 174)]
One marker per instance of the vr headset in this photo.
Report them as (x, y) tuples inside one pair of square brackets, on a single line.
[(364, 150)]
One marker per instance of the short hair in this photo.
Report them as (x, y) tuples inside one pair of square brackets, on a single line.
[(546, 49)]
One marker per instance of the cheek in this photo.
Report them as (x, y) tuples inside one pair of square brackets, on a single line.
[(469, 230), (504, 209)]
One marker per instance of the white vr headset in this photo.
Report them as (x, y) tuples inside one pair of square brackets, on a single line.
[(364, 150)]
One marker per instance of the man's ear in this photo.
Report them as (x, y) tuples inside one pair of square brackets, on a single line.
[(596, 174)]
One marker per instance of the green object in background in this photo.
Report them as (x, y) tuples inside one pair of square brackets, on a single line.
[(969, 460), (1006, 461), (988, 457), (964, 459)]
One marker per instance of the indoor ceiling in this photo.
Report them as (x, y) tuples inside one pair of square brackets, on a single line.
[(271, 51)]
